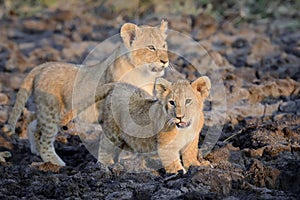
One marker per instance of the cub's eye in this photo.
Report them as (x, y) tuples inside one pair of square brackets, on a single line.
[(172, 103), (151, 47), (188, 101)]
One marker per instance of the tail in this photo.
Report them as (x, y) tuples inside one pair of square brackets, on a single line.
[(22, 97), (101, 92)]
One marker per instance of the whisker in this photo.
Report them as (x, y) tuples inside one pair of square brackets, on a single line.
[(170, 122), (171, 66)]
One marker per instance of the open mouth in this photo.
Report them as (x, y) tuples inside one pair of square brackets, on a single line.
[(182, 124), (157, 69)]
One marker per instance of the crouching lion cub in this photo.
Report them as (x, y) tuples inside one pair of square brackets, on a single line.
[(169, 123)]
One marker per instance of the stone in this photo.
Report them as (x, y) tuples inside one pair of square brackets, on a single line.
[(289, 106), (3, 116), (3, 99), (261, 46), (36, 25), (15, 82)]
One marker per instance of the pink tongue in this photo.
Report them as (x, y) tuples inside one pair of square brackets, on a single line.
[(182, 123)]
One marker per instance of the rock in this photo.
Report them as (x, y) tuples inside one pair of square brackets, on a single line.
[(204, 26), (289, 106), (250, 110), (15, 82), (263, 176), (261, 46), (63, 15), (280, 87), (44, 54), (275, 150), (3, 99), (180, 23), (245, 73), (165, 193), (279, 66), (35, 25), (223, 157), (17, 61), (219, 60), (26, 46), (62, 40), (85, 29), (217, 180), (119, 195), (3, 116), (75, 50), (254, 153)]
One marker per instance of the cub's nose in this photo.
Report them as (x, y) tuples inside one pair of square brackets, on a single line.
[(180, 117), (164, 61)]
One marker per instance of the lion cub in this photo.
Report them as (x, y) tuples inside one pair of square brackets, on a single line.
[(168, 124), (140, 58)]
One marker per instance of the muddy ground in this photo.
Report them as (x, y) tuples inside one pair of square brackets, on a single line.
[(256, 54)]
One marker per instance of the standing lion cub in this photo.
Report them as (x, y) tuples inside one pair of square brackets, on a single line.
[(140, 59), (168, 124)]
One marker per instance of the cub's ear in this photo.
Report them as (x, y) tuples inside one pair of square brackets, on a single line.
[(128, 33), (164, 27), (161, 88), (202, 85)]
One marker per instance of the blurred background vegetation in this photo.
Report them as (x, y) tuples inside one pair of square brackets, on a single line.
[(248, 10)]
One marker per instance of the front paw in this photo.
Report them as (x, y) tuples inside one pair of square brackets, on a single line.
[(174, 168), (46, 166), (197, 163)]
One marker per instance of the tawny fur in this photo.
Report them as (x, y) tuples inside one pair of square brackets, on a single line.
[(140, 59), (169, 124)]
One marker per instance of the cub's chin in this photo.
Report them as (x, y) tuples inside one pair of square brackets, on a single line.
[(158, 71), (159, 74)]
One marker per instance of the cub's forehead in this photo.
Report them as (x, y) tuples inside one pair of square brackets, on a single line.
[(181, 84), (181, 87), (151, 35)]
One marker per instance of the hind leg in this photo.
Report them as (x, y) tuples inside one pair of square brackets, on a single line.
[(48, 111)]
